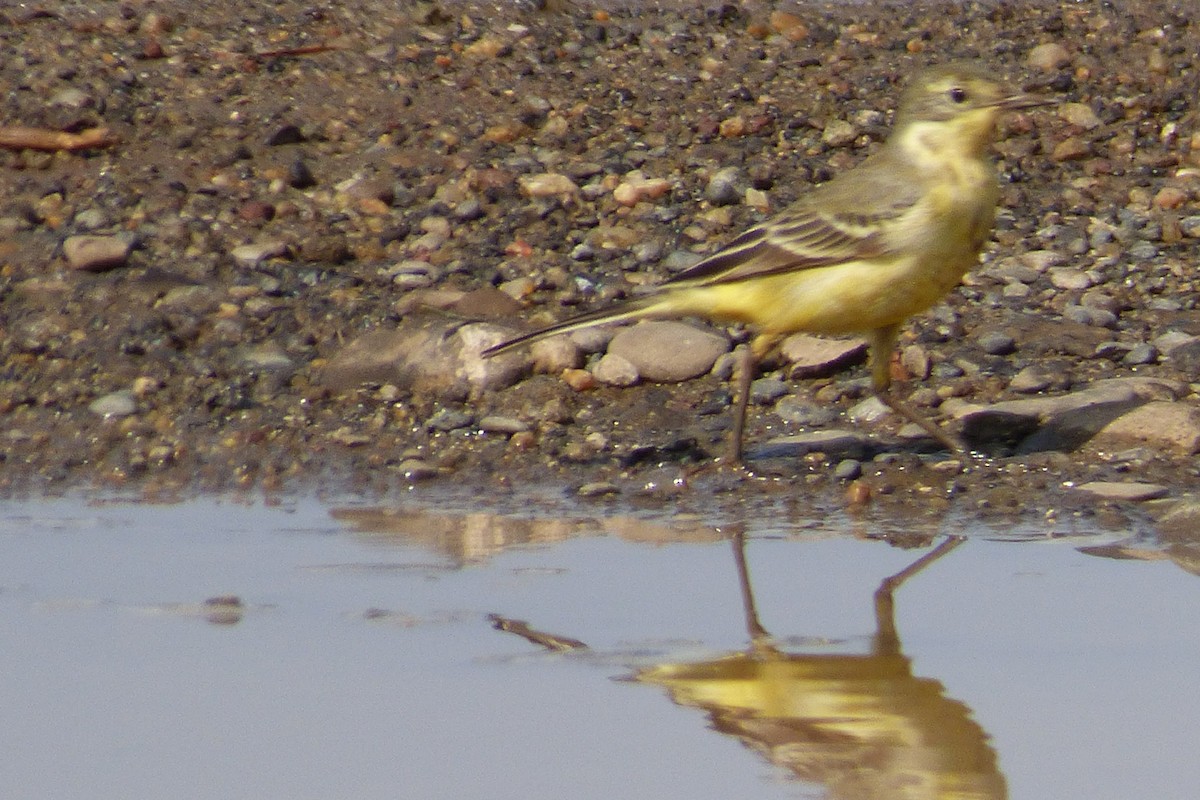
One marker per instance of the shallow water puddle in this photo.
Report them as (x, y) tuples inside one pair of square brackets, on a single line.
[(216, 650)]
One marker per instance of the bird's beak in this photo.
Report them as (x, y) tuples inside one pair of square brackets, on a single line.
[(1020, 100)]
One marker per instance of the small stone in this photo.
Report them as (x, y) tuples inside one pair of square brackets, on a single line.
[(997, 343), (1079, 115), (579, 379), (449, 419), (300, 176), (1048, 57), (494, 423), (850, 444), (615, 370), (547, 184), (91, 219), (597, 489), (1071, 149), (667, 350), (251, 255), (814, 356), (870, 410), (767, 390), (723, 188), (114, 404), (1132, 492), (1070, 278), (96, 253), (416, 469), (848, 469), (839, 133), (285, 134), (636, 188), (797, 411), (1144, 353), (268, 357), (1030, 381)]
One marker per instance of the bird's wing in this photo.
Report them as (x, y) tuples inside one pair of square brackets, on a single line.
[(845, 220)]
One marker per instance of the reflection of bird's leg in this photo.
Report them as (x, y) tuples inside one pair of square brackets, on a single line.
[(758, 634), (885, 605), (883, 342)]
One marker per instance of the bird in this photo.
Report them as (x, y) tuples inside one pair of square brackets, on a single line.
[(859, 254)]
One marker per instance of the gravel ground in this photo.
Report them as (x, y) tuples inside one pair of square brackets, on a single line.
[(284, 179)]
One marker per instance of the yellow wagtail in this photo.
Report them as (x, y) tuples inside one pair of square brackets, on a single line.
[(859, 254)]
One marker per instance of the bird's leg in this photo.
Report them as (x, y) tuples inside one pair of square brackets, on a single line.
[(883, 342), (745, 375)]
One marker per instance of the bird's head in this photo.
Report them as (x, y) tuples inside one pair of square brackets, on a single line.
[(956, 106)]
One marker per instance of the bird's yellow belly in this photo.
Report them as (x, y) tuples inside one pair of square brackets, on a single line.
[(846, 298)]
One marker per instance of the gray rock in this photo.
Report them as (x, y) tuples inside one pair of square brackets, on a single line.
[(666, 350)]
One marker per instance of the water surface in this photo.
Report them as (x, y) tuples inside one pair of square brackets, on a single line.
[(347, 651)]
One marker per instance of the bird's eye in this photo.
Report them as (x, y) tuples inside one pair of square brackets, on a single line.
[(958, 95)]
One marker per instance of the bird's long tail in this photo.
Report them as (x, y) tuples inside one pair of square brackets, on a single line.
[(640, 308)]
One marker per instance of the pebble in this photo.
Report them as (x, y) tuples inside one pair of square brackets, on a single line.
[(767, 390), (597, 489), (798, 411), (1133, 491), (496, 423), (636, 188), (449, 419), (815, 356), (1048, 57), (848, 469), (548, 184), (724, 187), (416, 469), (839, 133), (616, 370), (251, 255), (851, 444), (96, 253), (114, 404), (1142, 353), (91, 219), (668, 350), (1030, 381), (997, 343)]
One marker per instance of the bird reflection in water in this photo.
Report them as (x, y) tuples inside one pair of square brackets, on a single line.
[(863, 726)]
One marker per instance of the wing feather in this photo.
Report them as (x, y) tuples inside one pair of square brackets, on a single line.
[(829, 226)]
